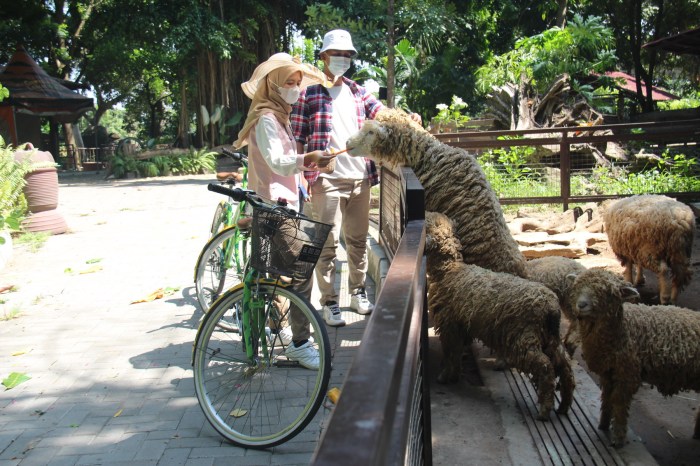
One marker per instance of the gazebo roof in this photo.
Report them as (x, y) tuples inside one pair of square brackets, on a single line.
[(684, 42), (33, 91)]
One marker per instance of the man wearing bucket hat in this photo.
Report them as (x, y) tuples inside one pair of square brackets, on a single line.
[(274, 167), (323, 119)]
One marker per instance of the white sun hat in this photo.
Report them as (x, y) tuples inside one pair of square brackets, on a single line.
[(310, 74), (338, 39)]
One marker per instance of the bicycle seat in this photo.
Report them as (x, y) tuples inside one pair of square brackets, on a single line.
[(226, 176)]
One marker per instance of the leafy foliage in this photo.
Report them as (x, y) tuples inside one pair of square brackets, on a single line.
[(13, 205), (585, 45)]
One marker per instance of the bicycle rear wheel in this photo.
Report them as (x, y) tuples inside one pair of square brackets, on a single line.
[(220, 265), (262, 403)]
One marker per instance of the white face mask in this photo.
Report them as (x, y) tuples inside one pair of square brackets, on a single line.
[(289, 94), (338, 65)]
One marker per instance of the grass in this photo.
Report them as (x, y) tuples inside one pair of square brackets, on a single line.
[(33, 241), (12, 314)]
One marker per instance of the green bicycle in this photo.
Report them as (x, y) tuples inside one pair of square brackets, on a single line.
[(221, 262), (249, 387)]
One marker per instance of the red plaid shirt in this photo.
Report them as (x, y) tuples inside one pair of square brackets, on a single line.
[(311, 120)]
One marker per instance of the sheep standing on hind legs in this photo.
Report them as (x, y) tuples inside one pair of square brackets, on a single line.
[(516, 318), (627, 344), (454, 184), (653, 232)]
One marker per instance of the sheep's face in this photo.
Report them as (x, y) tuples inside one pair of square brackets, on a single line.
[(597, 292), (364, 142)]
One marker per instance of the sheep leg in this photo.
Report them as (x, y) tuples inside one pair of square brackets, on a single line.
[(638, 275), (621, 399), (665, 294), (452, 339), (605, 403), (696, 431), (572, 337), (567, 384), (627, 274), (541, 368)]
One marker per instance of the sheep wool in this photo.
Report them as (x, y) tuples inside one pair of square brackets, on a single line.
[(516, 318), (552, 271), (627, 344), (652, 232), (454, 184)]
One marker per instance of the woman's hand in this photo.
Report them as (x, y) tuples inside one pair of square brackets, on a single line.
[(318, 159)]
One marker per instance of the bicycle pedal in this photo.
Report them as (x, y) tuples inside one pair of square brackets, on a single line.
[(287, 363)]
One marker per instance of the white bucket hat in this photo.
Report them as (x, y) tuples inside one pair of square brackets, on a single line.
[(310, 74), (338, 39)]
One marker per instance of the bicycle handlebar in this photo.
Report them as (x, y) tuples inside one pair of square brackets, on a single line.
[(249, 196), (240, 156)]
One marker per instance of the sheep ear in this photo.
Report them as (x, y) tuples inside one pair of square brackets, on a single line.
[(570, 278), (629, 293)]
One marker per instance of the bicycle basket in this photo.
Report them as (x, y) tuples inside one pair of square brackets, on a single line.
[(284, 245)]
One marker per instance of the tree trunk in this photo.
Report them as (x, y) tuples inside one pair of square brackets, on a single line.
[(390, 71), (562, 7)]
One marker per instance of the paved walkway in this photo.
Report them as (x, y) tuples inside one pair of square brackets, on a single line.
[(111, 382)]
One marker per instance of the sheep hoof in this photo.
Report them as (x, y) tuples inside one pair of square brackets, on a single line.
[(542, 417), (604, 427)]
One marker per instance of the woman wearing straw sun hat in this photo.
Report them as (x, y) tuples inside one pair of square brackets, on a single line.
[(274, 167)]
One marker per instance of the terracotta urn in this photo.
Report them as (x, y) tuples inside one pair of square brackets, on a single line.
[(41, 192)]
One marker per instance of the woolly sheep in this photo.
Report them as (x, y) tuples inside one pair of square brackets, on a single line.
[(552, 271), (653, 232), (454, 184), (627, 344), (516, 318)]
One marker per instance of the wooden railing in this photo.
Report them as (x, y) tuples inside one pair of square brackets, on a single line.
[(562, 142), (383, 417)]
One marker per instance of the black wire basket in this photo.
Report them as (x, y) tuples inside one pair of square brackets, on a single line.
[(286, 245)]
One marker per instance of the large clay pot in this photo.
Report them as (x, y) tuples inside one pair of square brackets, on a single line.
[(41, 192)]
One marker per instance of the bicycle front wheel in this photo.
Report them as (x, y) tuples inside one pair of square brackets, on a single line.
[(220, 265), (265, 400)]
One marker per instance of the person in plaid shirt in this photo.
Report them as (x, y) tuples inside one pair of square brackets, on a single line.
[(323, 118)]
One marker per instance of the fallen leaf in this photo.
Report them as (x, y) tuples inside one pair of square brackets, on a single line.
[(93, 261), (159, 293), (15, 379), (5, 288), (93, 269), (20, 352), (118, 413), (238, 412)]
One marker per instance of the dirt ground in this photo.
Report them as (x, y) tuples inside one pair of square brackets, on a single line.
[(665, 425)]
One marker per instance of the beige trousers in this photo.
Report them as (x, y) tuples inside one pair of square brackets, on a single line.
[(345, 205)]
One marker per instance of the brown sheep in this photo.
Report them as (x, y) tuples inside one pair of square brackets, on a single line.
[(627, 344), (516, 318), (653, 232), (454, 184)]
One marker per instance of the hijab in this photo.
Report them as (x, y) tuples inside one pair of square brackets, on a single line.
[(264, 84)]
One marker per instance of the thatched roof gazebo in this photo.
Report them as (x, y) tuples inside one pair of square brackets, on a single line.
[(35, 95)]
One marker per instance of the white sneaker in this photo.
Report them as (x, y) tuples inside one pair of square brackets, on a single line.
[(306, 355), (331, 314), (360, 303)]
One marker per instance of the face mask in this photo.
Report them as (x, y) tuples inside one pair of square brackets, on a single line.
[(338, 65), (289, 94)]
